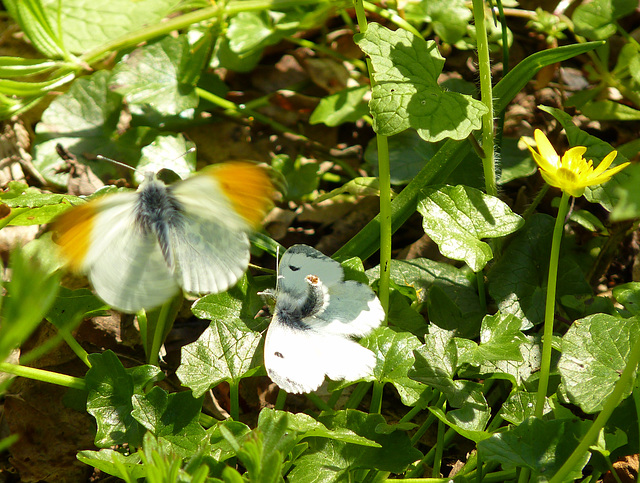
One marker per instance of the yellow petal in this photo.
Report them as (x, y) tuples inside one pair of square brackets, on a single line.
[(545, 148), (605, 163)]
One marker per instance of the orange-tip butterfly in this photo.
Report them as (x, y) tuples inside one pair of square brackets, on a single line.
[(315, 315), (139, 248)]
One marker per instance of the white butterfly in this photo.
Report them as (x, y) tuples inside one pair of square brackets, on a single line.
[(140, 248), (315, 314)]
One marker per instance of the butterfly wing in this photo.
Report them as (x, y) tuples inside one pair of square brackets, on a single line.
[(297, 358), (209, 257), (292, 358), (353, 309), (125, 267), (220, 206), (298, 262)]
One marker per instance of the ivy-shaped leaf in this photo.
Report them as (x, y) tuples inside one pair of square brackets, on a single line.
[(172, 418), (406, 92), (458, 217), (541, 446), (224, 352), (394, 354), (110, 391), (150, 78), (331, 460), (595, 350)]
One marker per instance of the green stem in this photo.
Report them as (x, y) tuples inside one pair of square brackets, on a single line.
[(486, 91), (234, 400), (612, 402), (376, 398), (357, 395), (384, 175), (75, 347), (437, 463), (549, 312), (158, 334), (44, 376), (320, 404)]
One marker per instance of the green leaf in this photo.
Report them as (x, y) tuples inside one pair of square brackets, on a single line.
[(110, 390), (329, 460), (518, 407), (448, 19), (116, 18), (595, 350), (445, 313), (112, 462), (28, 297), (150, 79), (628, 295), (32, 17), (357, 186), (541, 446), (458, 217), (302, 178), (347, 105), (436, 361), (23, 67), (403, 316), (71, 306), (628, 194), (44, 207), (408, 153), (596, 20), (500, 339), (169, 151), (406, 93), (515, 163), (516, 371), (421, 274), (610, 111), (83, 120), (466, 423), (172, 418), (597, 150), (438, 168), (518, 280), (394, 354), (224, 352), (221, 449)]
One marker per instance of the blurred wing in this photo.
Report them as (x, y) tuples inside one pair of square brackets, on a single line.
[(298, 359), (209, 257), (126, 269), (353, 309), (236, 194), (302, 260)]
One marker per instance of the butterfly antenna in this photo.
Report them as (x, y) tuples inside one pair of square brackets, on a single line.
[(117, 163)]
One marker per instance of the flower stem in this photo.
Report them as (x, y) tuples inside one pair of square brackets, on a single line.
[(384, 174), (626, 378), (486, 91), (158, 334), (549, 312), (44, 376)]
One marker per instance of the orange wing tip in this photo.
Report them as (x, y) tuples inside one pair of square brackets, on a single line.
[(247, 186), (73, 229)]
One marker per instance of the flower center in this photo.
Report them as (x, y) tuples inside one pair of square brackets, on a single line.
[(567, 174)]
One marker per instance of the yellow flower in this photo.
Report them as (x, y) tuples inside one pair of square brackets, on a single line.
[(572, 174)]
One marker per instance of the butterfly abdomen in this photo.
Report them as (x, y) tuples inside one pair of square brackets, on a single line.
[(157, 211)]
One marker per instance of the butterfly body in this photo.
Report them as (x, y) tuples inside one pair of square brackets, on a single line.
[(140, 248), (316, 314)]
